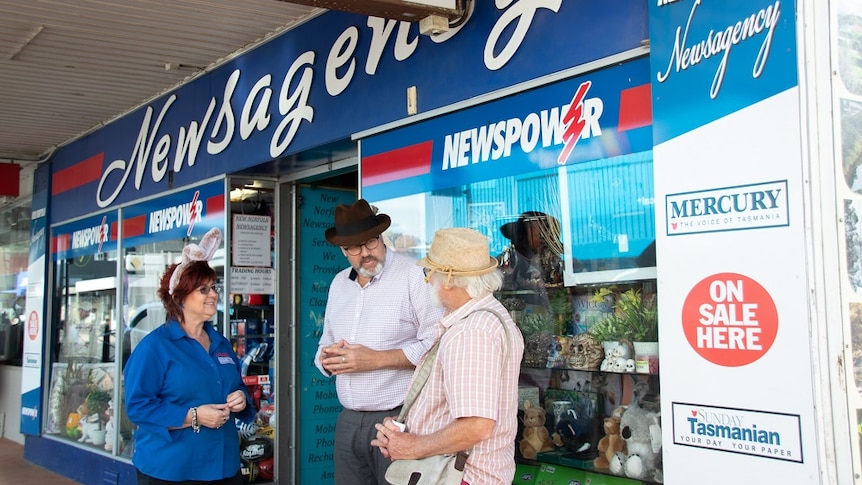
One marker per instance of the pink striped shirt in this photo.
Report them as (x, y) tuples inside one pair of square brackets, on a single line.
[(469, 379)]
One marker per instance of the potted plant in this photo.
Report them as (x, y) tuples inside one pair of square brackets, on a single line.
[(612, 327), (634, 319), (96, 403), (537, 330), (560, 304)]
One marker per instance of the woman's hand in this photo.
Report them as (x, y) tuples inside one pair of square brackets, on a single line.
[(213, 415), (236, 401)]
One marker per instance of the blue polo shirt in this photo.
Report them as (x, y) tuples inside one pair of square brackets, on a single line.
[(168, 373)]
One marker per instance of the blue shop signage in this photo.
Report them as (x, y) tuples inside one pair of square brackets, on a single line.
[(595, 116), (324, 80)]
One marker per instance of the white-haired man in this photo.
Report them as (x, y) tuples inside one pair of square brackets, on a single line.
[(470, 400)]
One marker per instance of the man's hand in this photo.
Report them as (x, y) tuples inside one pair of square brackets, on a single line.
[(393, 442), (344, 358)]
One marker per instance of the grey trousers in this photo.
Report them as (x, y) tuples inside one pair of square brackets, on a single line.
[(356, 461)]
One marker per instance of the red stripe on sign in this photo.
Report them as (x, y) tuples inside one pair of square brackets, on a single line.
[(214, 205), (635, 108), (77, 175), (112, 234), (61, 243), (398, 164), (134, 226)]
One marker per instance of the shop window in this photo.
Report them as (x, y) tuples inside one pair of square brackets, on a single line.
[(85, 335), (251, 311), (597, 217), (14, 254), (576, 247), (104, 302)]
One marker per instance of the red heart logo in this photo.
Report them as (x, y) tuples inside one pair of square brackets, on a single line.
[(673, 226), (694, 412)]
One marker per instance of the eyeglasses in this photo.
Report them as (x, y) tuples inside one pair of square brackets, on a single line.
[(205, 290), (370, 244)]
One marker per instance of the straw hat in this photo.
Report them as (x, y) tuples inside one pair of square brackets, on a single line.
[(355, 224), (459, 251)]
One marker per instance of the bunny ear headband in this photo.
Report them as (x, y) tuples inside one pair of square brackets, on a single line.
[(196, 252)]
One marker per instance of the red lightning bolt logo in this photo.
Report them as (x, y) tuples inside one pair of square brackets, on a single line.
[(193, 212), (103, 233), (574, 122)]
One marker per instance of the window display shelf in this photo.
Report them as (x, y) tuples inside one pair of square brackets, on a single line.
[(536, 465), (584, 414), (592, 370), (584, 376)]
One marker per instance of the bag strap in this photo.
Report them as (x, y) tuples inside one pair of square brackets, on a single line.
[(420, 380), (431, 357)]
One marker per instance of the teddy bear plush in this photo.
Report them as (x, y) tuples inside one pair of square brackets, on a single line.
[(536, 438), (640, 430), (612, 442)]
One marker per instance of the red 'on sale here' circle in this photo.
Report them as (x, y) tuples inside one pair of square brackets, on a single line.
[(33, 325), (729, 319)]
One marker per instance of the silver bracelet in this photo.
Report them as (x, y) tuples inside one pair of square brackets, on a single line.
[(195, 426)]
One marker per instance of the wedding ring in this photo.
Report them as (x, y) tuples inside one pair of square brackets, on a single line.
[(343, 359)]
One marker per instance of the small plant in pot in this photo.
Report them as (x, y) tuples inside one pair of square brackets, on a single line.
[(634, 319), (92, 417), (97, 401), (560, 304)]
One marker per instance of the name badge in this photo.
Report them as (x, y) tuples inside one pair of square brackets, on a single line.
[(225, 360)]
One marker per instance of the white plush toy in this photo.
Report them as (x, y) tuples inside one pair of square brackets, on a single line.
[(89, 429), (110, 428), (617, 357)]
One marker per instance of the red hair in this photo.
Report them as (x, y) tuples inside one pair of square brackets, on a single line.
[(195, 274)]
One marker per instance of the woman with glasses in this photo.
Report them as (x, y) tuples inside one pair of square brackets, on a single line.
[(183, 386)]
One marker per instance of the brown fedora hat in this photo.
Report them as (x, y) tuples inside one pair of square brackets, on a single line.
[(355, 224)]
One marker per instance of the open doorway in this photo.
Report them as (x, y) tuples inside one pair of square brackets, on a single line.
[(308, 206)]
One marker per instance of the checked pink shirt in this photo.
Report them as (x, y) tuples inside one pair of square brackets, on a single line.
[(469, 379)]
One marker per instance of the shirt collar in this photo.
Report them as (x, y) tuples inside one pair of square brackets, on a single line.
[(453, 317), (175, 330)]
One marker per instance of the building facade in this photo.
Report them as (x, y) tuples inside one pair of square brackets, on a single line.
[(690, 158)]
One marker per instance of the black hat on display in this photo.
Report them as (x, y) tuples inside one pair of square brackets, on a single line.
[(355, 224), (515, 229)]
